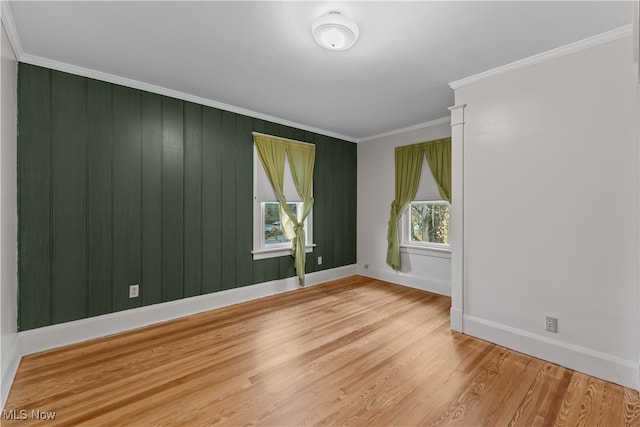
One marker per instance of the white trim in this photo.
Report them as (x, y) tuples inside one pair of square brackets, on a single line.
[(418, 126), (426, 251), (49, 337), (456, 216), (456, 319), (409, 280), (10, 374), (568, 49), (10, 28), (420, 248), (457, 114), (276, 252), (123, 81), (582, 359)]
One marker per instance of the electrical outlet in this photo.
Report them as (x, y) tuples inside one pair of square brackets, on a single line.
[(319, 260), (552, 324), (134, 291), (366, 266)]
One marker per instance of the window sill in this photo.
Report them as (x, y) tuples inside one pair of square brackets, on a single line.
[(276, 252), (432, 251)]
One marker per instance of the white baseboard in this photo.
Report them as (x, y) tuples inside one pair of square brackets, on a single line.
[(582, 359), (406, 279), (10, 373), (49, 337), (456, 319)]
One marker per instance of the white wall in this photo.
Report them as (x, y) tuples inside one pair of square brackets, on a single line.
[(376, 183), (551, 210), (9, 356)]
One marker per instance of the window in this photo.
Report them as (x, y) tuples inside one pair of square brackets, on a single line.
[(273, 233), (428, 222), (268, 237), (425, 224)]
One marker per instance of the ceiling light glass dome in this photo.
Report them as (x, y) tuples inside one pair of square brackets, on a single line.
[(334, 31)]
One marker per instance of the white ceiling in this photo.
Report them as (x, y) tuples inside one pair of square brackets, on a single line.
[(261, 57)]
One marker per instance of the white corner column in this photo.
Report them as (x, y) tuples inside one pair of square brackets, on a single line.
[(456, 217)]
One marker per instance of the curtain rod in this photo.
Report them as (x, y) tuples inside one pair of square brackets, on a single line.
[(279, 137)]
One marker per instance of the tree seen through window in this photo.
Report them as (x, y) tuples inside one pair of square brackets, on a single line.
[(430, 222)]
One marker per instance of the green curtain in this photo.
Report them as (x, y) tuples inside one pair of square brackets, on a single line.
[(438, 154), (301, 156), (408, 167)]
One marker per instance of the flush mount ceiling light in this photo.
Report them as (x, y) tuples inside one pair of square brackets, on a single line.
[(334, 31)]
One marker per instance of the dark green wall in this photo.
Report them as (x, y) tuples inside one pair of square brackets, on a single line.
[(119, 186)]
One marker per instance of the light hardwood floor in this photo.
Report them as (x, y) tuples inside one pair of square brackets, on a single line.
[(356, 351)]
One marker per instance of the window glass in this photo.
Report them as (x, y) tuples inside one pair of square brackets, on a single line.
[(273, 233), (429, 222)]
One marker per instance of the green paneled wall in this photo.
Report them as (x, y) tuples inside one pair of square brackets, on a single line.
[(119, 186)]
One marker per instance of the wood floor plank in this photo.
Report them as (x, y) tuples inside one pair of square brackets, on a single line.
[(355, 351)]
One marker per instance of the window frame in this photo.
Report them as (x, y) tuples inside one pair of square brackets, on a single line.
[(442, 250), (260, 250)]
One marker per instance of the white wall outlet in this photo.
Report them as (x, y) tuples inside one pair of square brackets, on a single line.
[(134, 291), (319, 260), (552, 324)]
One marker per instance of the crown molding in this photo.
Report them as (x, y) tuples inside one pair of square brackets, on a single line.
[(430, 123), (10, 28), (561, 51)]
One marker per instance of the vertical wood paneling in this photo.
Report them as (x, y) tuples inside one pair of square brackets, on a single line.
[(323, 194), (228, 199), (126, 195), (34, 175), (99, 193), (69, 201), (340, 237), (351, 172), (172, 200), (286, 266), (244, 203), (151, 190), (211, 193), (192, 199), (151, 281)]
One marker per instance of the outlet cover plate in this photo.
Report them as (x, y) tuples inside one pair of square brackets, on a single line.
[(134, 291), (552, 324)]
